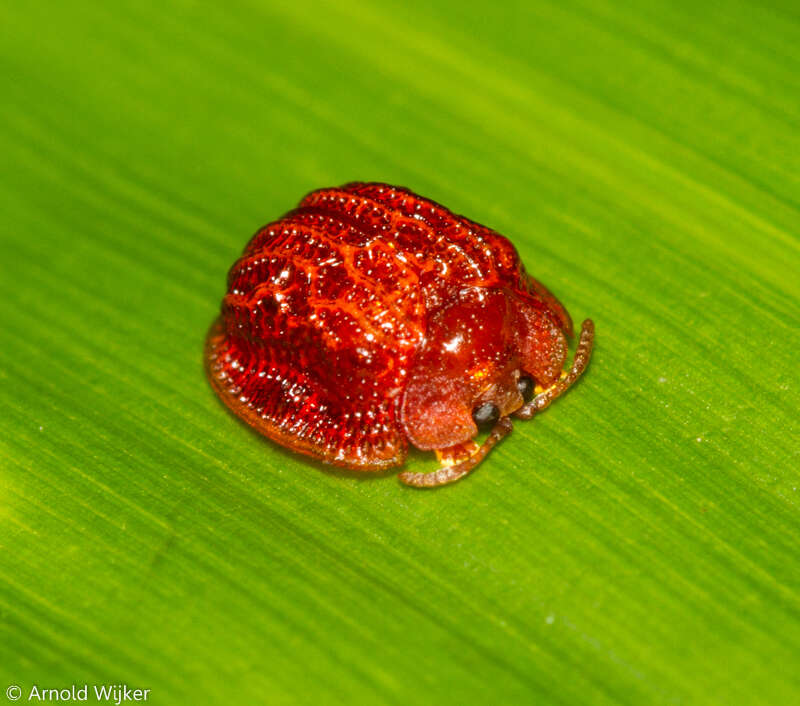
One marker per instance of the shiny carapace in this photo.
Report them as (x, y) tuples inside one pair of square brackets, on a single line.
[(369, 319)]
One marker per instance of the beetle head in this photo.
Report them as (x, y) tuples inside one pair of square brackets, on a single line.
[(482, 354)]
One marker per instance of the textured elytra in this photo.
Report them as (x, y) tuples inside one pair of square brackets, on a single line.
[(329, 307)]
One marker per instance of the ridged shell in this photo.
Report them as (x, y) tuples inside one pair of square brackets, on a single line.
[(327, 306)]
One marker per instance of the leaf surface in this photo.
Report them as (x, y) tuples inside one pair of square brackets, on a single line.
[(637, 543)]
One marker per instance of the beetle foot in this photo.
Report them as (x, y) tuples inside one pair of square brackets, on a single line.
[(450, 474)]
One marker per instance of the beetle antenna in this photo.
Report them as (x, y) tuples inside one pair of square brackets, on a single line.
[(450, 474), (582, 354)]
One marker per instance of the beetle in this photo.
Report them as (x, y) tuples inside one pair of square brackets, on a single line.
[(370, 318)]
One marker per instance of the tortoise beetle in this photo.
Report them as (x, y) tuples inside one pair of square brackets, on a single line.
[(370, 318)]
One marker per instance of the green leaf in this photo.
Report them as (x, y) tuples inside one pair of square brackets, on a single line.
[(637, 543)]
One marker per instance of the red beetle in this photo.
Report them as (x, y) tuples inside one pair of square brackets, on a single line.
[(369, 318)]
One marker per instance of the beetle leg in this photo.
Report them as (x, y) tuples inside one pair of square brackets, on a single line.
[(450, 474), (558, 388), (455, 454)]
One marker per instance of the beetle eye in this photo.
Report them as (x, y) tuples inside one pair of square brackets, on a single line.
[(486, 415), (525, 386)]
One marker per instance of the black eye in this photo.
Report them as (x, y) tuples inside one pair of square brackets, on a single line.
[(525, 386), (486, 415)]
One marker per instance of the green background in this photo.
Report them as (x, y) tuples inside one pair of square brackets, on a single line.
[(636, 544)]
